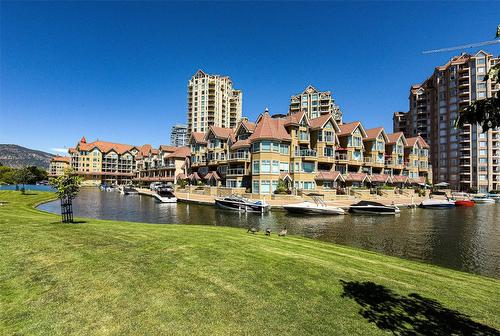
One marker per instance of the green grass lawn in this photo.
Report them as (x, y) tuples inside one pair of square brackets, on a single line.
[(104, 277)]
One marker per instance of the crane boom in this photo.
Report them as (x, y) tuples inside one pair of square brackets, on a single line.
[(472, 45)]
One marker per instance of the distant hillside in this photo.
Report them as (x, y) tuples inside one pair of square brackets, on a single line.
[(18, 156)]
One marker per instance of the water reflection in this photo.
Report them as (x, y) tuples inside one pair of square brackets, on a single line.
[(466, 239)]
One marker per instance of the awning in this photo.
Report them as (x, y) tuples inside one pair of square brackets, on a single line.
[(357, 177), (382, 178), (329, 176)]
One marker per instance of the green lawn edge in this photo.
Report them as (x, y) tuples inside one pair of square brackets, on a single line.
[(107, 277)]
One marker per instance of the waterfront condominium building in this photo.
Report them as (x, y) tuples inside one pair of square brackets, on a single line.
[(315, 103), (58, 165), (306, 154), (212, 101), (399, 123), (467, 158), (101, 162), (179, 135), (164, 164)]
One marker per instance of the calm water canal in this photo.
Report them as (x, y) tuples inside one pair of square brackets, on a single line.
[(466, 239)]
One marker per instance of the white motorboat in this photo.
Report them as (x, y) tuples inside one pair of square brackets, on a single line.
[(124, 190), (316, 207), (165, 195), (238, 203), (482, 199), (433, 203), (496, 197), (374, 208)]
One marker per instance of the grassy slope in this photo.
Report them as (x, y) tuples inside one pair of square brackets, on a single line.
[(105, 277)]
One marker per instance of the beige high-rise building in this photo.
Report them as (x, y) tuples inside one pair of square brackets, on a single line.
[(315, 103), (212, 101), (466, 158)]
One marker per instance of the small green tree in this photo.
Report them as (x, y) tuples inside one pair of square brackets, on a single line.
[(67, 187)]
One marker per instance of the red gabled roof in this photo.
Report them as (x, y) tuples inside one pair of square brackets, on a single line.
[(294, 119), (83, 140), (166, 148), (241, 144), (221, 132), (393, 137), (380, 178), (347, 129), (373, 133), (320, 122), (199, 137), (104, 146), (270, 128), (328, 176), (422, 142), (357, 177), (180, 152), (399, 178), (58, 158), (250, 126)]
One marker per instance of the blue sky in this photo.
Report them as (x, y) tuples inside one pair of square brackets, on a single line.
[(119, 71)]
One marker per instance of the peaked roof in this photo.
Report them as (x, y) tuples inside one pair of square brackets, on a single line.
[(58, 158), (380, 178), (269, 128), (105, 146), (250, 126), (166, 148), (422, 142), (180, 152), (198, 137), (394, 137), (296, 118), (241, 144), (328, 176), (357, 177), (320, 122), (373, 133), (220, 132), (348, 128)]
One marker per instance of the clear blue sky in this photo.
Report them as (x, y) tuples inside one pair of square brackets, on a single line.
[(119, 71)]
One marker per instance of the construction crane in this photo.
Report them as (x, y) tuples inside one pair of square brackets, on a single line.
[(466, 46)]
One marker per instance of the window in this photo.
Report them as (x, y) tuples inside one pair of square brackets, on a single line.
[(255, 187), (307, 167), (284, 149), (483, 152), (255, 167), (482, 143), (284, 167), (328, 151), (481, 86), (265, 187), (480, 61), (265, 146), (481, 94), (481, 70), (276, 167), (265, 166)]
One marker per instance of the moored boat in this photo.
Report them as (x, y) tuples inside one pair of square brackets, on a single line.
[(482, 199), (124, 190), (373, 208), (317, 207), (465, 203), (165, 195), (239, 203), (432, 203), (496, 197)]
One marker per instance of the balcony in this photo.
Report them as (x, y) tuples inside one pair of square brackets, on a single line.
[(303, 137), (241, 156), (236, 172), (306, 153), (341, 158)]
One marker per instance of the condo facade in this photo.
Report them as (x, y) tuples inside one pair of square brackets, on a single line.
[(179, 135), (212, 101), (58, 165), (164, 164), (467, 158), (305, 154), (315, 103), (102, 162)]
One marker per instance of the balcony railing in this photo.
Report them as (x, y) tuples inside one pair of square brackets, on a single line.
[(306, 153), (240, 155), (303, 137), (341, 157), (236, 171)]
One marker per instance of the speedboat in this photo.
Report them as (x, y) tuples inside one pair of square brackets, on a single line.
[(239, 203), (165, 195), (496, 197), (482, 199), (317, 207), (373, 208), (124, 190), (433, 203), (462, 199)]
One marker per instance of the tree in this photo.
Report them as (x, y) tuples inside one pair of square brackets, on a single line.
[(484, 112), (67, 187), (23, 176)]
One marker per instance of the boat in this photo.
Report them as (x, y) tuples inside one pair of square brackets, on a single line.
[(462, 199), (482, 199), (465, 203), (496, 197), (316, 207), (124, 190), (239, 203), (373, 208), (165, 195), (433, 203)]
